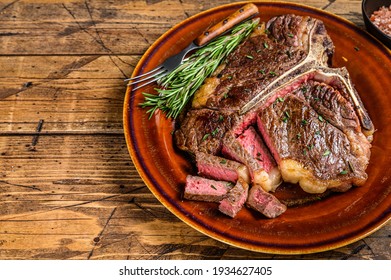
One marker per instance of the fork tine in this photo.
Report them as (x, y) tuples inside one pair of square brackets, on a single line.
[(149, 77), (155, 78), (145, 74)]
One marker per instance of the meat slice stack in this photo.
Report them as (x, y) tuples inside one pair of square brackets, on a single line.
[(276, 111), (249, 149)]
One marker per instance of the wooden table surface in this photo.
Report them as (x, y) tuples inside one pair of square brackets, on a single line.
[(68, 188)]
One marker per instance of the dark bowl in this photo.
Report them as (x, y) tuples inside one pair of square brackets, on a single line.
[(368, 7)]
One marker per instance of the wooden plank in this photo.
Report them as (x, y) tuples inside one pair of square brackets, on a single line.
[(71, 66), (66, 160), (66, 28), (119, 27), (70, 93), (62, 116)]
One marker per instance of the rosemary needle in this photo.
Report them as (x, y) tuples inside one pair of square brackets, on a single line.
[(177, 88)]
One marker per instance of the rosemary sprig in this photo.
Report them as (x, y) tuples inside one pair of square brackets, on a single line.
[(179, 86)]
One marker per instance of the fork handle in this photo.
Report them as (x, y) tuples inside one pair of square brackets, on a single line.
[(240, 15)]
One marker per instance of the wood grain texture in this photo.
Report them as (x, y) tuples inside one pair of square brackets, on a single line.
[(70, 190)]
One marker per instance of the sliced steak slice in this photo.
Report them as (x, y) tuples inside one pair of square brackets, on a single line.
[(314, 134), (219, 168), (264, 202), (235, 199), (249, 149), (199, 188)]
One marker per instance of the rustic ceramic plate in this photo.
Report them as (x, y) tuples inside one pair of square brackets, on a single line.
[(335, 221)]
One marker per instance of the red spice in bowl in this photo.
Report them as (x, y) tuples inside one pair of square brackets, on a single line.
[(382, 19)]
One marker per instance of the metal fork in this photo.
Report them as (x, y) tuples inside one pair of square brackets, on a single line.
[(174, 61), (162, 70)]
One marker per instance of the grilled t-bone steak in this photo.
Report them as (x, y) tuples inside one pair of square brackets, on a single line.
[(277, 90)]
